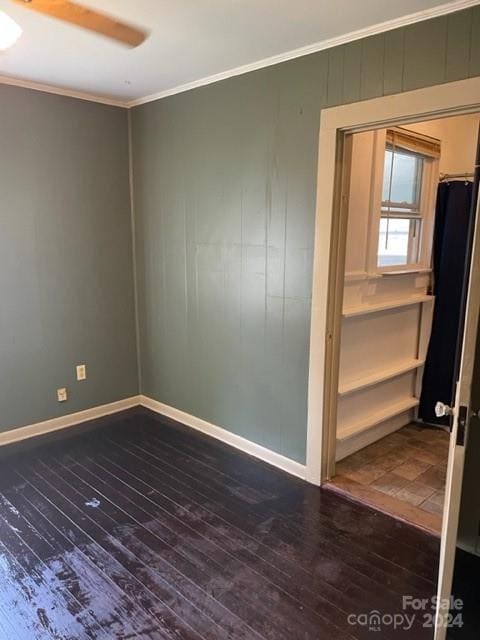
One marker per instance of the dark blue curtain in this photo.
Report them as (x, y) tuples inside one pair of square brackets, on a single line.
[(450, 245)]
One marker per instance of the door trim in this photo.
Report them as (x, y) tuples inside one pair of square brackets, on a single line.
[(454, 98)]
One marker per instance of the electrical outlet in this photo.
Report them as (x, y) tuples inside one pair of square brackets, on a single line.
[(62, 394), (81, 372)]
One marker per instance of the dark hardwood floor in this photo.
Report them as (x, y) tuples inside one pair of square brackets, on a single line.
[(144, 529)]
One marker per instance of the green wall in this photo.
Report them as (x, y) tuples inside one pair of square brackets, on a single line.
[(225, 200), (66, 290)]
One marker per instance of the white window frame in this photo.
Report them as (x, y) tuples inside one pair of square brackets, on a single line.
[(426, 215)]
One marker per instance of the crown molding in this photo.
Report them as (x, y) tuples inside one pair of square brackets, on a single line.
[(381, 27), (61, 91)]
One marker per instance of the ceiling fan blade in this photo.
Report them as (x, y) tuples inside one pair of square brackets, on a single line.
[(88, 19)]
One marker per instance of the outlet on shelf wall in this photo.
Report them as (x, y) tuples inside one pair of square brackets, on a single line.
[(62, 394)]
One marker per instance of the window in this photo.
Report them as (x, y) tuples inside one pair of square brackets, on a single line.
[(400, 219), (404, 203), (402, 178)]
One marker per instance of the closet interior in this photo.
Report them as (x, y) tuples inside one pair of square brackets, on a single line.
[(410, 206)]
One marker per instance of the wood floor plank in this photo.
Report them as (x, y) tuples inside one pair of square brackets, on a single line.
[(72, 568), (214, 538), (140, 528), (423, 560), (205, 583), (217, 456), (155, 466), (322, 587), (240, 528), (130, 596), (156, 551), (18, 609), (244, 577), (377, 590), (56, 611), (183, 462), (97, 527)]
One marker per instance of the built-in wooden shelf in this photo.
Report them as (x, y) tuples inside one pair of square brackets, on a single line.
[(406, 272), (357, 426), (363, 309), (355, 276), (379, 375)]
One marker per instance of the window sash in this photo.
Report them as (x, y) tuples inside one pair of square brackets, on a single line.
[(403, 212), (421, 226), (413, 256), (413, 205)]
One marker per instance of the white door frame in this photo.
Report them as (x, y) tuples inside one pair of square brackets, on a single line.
[(453, 98)]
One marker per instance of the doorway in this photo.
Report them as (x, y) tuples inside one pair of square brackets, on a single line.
[(336, 123), (336, 126), (410, 196)]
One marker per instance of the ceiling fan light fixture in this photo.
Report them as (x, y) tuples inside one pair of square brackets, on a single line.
[(10, 31)]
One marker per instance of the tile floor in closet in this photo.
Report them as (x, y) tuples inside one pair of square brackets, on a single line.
[(403, 474)]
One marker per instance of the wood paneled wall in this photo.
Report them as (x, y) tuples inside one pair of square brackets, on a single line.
[(225, 181), (66, 285)]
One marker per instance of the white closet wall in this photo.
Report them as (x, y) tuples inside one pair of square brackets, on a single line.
[(459, 140), (385, 330), (386, 318), (385, 325)]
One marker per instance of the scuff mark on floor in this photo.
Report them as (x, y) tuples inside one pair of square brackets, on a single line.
[(94, 502)]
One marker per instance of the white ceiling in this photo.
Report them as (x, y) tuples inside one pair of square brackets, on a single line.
[(191, 40)]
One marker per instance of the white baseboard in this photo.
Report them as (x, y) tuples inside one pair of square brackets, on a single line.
[(234, 440), (63, 422)]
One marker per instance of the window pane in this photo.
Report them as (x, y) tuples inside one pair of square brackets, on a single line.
[(393, 242), (404, 172)]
